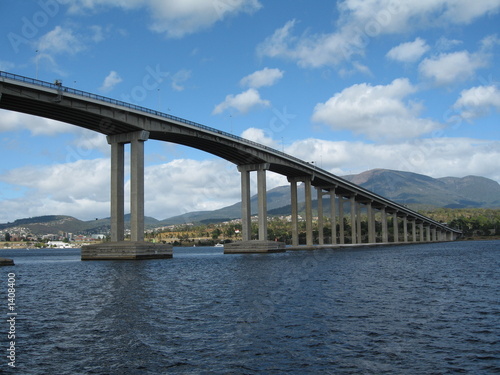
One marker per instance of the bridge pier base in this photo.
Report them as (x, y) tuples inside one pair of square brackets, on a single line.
[(126, 250), (248, 247)]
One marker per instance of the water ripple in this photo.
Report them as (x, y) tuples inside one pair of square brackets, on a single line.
[(415, 309)]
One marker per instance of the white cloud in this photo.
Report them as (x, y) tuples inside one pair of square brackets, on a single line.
[(478, 101), (82, 188), (465, 11), (6, 65), (324, 49), (409, 52), (199, 186), (60, 40), (82, 179), (84, 142), (215, 183), (445, 44), (258, 135), (10, 121), (179, 78), (79, 189), (175, 18), (260, 78), (357, 67), (435, 157), (360, 21), (489, 42), (111, 81), (448, 68), (242, 102), (379, 112), (98, 34)]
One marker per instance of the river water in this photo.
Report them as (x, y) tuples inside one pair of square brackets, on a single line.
[(416, 309)]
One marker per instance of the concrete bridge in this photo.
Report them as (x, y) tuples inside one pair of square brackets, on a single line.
[(124, 123)]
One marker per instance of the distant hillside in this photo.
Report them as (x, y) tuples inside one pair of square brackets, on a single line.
[(420, 190), (52, 224), (276, 198), (414, 190)]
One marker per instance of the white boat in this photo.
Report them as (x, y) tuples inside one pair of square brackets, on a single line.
[(219, 245)]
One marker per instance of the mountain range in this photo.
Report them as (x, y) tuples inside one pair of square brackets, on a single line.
[(411, 189)]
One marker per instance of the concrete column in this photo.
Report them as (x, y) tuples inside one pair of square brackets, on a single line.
[(319, 194), (295, 221), (341, 220), (414, 230), (358, 222), (385, 237), (395, 226), (353, 218), (428, 232), (262, 199), (137, 189), (371, 223), (405, 228), (118, 249), (117, 191), (421, 230), (117, 142), (246, 209), (333, 213), (309, 229), (262, 203)]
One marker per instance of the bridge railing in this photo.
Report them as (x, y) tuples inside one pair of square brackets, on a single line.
[(58, 86)]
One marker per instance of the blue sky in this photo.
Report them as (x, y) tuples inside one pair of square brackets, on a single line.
[(350, 85)]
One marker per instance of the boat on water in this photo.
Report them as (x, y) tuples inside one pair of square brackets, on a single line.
[(219, 245)]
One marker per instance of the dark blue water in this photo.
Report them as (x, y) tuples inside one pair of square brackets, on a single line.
[(418, 309)]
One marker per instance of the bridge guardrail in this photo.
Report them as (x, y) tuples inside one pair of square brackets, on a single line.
[(105, 99)]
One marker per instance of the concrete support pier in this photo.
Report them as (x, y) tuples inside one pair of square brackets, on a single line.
[(395, 226), (341, 220), (246, 224), (126, 250), (255, 246), (262, 202), (371, 223), (6, 262), (385, 236), (352, 200), (321, 224), (295, 211), (262, 245), (405, 228), (118, 248), (333, 220), (308, 199)]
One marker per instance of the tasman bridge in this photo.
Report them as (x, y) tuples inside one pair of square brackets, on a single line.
[(124, 123)]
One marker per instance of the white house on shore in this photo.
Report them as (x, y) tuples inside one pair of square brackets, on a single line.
[(59, 244)]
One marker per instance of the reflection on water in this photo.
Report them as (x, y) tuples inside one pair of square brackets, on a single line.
[(411, 309)]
